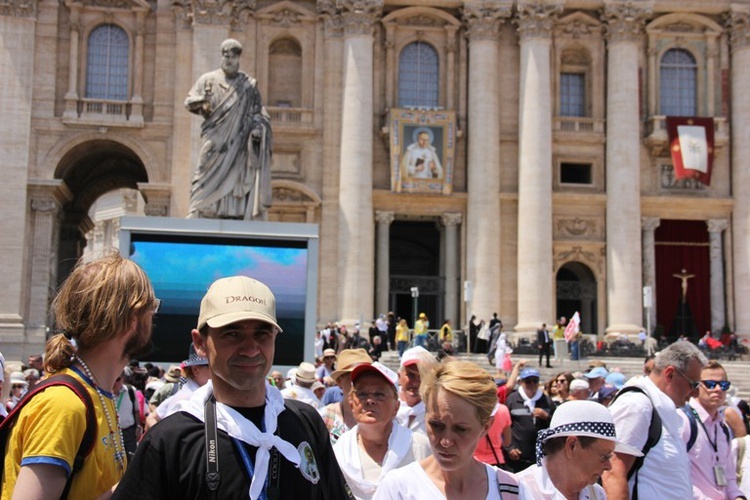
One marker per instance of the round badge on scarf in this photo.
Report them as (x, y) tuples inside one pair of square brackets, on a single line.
[(307, 465)]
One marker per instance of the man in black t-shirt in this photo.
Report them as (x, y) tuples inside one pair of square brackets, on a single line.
[(264, 446)]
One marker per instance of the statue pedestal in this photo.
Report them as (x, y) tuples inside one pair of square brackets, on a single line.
[(683, 323)]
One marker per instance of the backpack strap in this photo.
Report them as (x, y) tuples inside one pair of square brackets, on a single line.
[(654, 435), (89, 434), (507, 484), (692, 420)]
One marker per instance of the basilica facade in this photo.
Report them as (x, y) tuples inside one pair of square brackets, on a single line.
[(460, 157)]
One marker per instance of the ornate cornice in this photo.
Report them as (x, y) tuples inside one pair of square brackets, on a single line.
[(738, 23), (219, 12), (18, 8), (483, 20), (536, 20), (625, 20), (358, 16), (451, 219)]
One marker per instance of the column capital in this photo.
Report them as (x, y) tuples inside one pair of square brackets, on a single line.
[(19, 8), (451, 219), (483, 19), (331, 16), (358, 16), (650, 223), (717, 225), (44, 203), (214, 12), (536, 20), (384, 217), (157, 197), (625, 20), (737, 21)]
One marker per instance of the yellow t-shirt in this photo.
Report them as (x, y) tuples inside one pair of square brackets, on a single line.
[(49, 430), (402, 333)]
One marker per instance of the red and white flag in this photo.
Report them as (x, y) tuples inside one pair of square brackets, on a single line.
[(573, 327)]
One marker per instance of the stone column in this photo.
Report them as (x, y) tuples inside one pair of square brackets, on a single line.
[(17, 24), (451, 222), (624, 27), (136, 111), (328, 286), (716, 255), (483, 21), (382, 264), (648, 226), (536, 281), (739, 24), (451, 46), (355, 195)]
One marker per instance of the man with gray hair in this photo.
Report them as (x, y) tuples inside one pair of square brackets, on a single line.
[(646, 418)]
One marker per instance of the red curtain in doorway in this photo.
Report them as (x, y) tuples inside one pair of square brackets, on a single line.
[(682, 245)]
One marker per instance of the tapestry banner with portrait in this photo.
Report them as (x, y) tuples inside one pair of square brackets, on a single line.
[(423, 145)]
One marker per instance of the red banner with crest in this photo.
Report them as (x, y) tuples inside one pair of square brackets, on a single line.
[(691, 143)]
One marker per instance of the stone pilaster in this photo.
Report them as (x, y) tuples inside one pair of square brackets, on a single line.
[(536, 285), (451, 221), (356, 236), (625, 21), (71, 96), (157, 198), (382, 262), (483, 20), (739, 29), (648, 227), (716, 228), (17, 48)]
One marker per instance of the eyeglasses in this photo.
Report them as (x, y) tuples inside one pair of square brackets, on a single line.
[(17, 386), (693, 383), (711, 384), (157, 304), (378, 397), (531, 380)]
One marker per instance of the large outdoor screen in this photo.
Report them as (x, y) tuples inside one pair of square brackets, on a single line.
[(183, 257)]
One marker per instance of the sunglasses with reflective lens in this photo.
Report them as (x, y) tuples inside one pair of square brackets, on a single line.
[(711, 384)]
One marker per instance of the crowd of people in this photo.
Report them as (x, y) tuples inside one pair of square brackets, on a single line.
[(224, 425)]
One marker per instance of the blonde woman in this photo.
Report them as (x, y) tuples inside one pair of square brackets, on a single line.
[(459, 397)]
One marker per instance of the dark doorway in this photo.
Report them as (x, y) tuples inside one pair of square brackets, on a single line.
[(576, 291), (415, 262)]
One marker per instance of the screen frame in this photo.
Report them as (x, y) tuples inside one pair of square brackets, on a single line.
[(241, 230)]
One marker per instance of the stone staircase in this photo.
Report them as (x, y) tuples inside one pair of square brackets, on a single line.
[(738, 371)]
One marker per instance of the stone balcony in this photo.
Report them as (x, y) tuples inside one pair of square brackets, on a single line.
[(658, 141), (103, 113)]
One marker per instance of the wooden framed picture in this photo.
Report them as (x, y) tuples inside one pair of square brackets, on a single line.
[(423, 144)]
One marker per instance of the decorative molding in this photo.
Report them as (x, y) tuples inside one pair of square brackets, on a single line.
[(669, 182), (738, 23), (625, 21), (331, 16), (451, 218), (286, 18), (19, 8), (384, 217), (359, 16), (422, 20), (44, 204), (650, 223), (290, 195), (578, 228), (536, 20), (483, 20), (717, 225), (577, 254), (214, 12)]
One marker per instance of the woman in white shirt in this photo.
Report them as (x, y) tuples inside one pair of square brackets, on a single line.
[(459, 399)]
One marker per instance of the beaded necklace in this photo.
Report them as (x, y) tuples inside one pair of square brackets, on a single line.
[(119, 443)]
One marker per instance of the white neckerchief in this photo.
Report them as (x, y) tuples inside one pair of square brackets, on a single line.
[(405, 411), (238, 427), (347, 453), (530, 402)]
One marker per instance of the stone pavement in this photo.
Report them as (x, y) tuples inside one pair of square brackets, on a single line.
[(738, 371)]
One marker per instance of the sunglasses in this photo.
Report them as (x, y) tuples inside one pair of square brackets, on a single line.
[(693, 383), (531, 380), (711, 384)]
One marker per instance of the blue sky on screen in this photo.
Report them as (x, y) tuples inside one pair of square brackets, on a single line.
[(181, 272)]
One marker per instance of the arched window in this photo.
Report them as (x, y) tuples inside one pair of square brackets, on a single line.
[(107, 63), (677, 83), (285, 74), (418, 75)]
